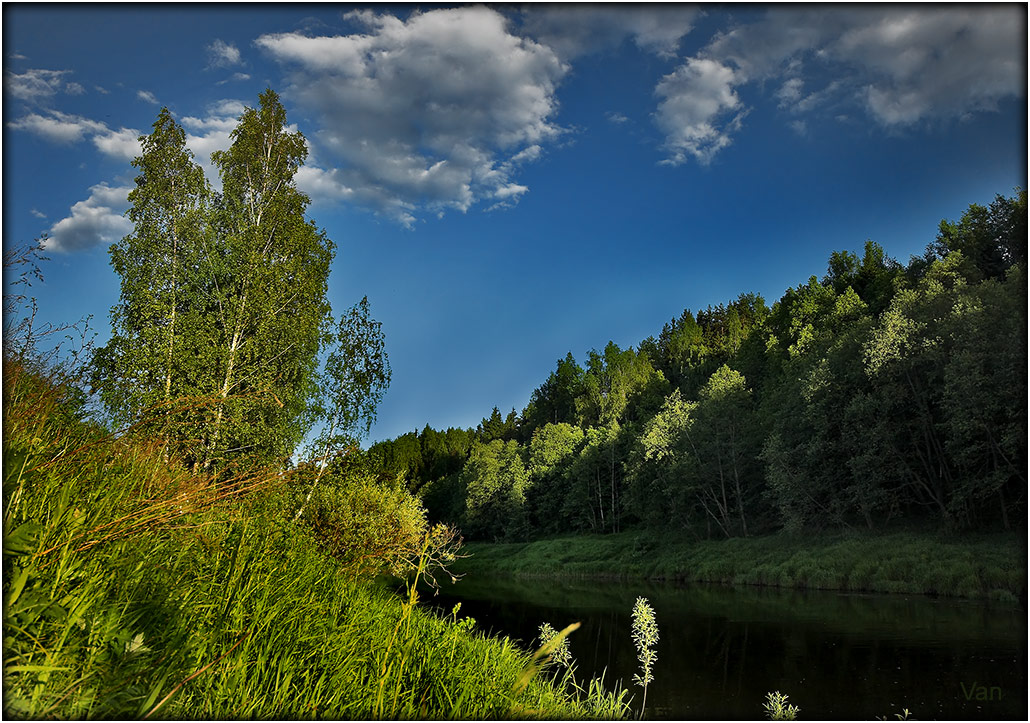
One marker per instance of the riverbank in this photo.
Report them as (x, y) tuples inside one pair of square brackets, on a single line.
[(984, 567), (135, 589)]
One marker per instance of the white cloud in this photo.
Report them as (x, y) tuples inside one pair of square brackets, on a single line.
[(211, 133), (37, 213), (616, 117), (222, 54), (37, 85), (696, 112), (57, 127), (900, 64), (234, 78), (147, 96), (99, 219), (790, 92), (942, 62), (123, 143), (423, 114), (576, 31)]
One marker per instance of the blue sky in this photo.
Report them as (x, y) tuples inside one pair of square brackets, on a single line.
[(507, 184)]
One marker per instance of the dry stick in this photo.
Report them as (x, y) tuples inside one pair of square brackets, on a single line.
[(213, 662)]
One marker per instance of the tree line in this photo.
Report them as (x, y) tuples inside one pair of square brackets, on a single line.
[(879, 393)]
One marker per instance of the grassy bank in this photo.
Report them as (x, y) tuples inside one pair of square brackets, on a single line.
[(134, 589), (985, 566)]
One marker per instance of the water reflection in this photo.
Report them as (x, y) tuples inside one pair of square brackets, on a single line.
[(838, 656)]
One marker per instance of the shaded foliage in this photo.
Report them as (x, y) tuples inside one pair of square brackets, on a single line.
[(881, 393)]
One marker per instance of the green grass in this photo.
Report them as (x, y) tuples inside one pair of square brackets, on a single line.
[(133, 590), (984, 566)]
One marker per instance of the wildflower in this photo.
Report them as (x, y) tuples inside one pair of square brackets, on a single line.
[(645, 637), (561, 654)]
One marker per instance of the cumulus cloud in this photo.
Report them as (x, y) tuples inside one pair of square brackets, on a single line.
[(37, 85), (100, 218), (944, 61), (698, 111), (65, 128), (423, 114), (222, 54), (206, 135), (147, 96), (96, 220), (584, 29), (57, 127), (123, 143), (900, 64)]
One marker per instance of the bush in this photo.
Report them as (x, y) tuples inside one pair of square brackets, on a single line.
[(368, 527)]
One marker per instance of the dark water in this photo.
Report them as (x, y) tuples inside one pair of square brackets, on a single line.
[(721, 649)]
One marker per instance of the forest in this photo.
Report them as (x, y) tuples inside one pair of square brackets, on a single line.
[(192, 529), (879, 395)]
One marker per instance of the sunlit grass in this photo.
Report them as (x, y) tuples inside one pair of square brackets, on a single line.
[(134, 589)]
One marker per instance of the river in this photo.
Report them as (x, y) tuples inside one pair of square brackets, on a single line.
[(721, 649)]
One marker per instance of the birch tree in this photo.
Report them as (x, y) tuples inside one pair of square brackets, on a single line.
[(351, 385), (156, 323), (270, 268)]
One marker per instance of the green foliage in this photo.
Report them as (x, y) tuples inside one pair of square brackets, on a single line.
[(877, 395), (554, 402), (354, 378), (777, 707), (135, 588), (921, 561), (149, 366), (618, 385), (645, 638), (993, 239), (222, 307), (551, 454), (495, 482), (661, 464), (372, 529), (560, 653)]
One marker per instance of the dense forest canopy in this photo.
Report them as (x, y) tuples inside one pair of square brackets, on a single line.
[(880, 392)]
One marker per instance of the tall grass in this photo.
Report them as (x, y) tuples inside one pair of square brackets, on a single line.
[(133, 588)]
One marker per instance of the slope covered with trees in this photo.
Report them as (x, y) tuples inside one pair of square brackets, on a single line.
[(878, 394)]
